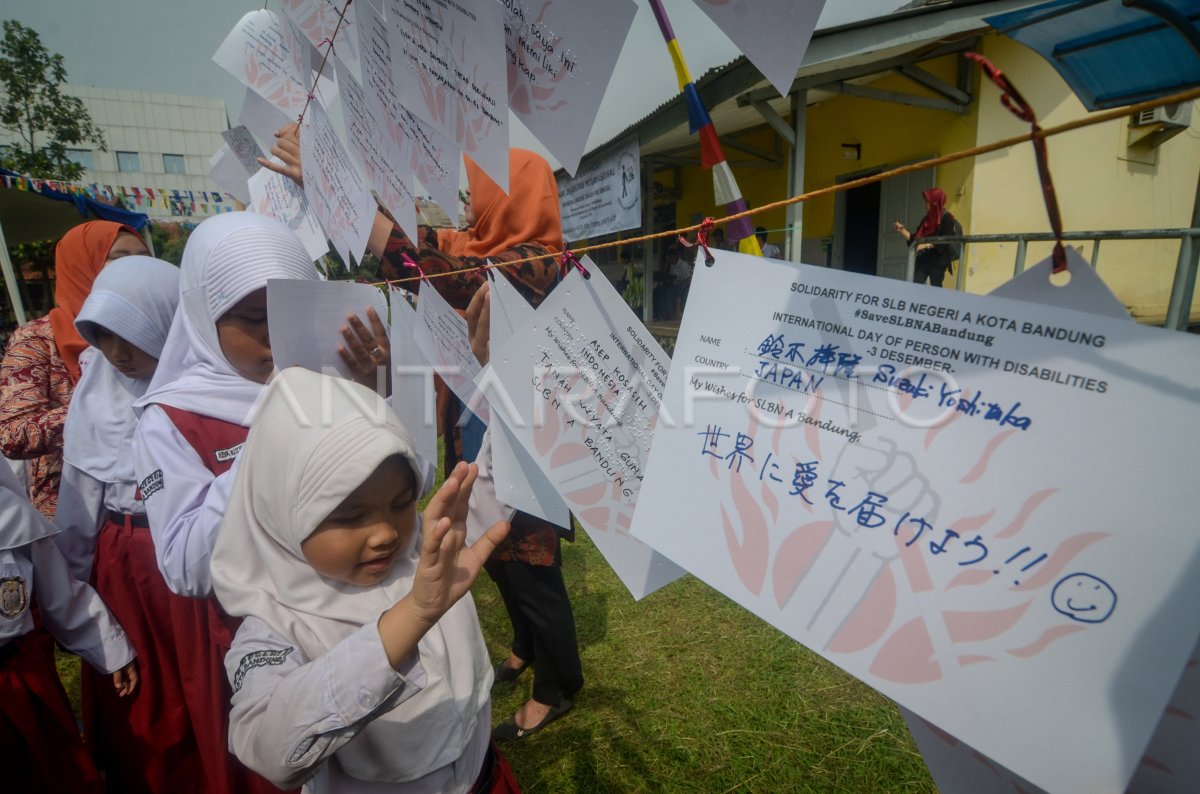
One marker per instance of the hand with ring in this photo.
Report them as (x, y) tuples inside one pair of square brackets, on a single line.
[(366, 349)]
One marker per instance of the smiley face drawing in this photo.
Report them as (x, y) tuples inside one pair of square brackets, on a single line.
[(1083, 597)]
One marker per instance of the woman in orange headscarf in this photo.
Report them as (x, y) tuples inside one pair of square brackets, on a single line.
[(41, 364)]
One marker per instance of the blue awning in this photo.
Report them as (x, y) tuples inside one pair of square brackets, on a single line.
[(1110, 53)]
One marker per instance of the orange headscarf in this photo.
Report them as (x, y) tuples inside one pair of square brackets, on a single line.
[(78, 259), (528, 213)]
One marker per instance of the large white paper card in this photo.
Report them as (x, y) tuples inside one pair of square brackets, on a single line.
[(774, 34), (433, 159), (605, 197), (931, 490), (441, 334), (305, 319), (519, 481), (412, 398), (263, 52), (278, 196), (318, 20), (244, 148), (227, 173), (586, 379), (262, 118), (335, 190), (448, 64), (560, 58), (389, 175)]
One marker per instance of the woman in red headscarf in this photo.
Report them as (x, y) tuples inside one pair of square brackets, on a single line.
[(933, 259), (41, 364)]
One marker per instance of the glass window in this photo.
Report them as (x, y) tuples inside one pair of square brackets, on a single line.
[(81, 156), (128, 161), (174, 164)]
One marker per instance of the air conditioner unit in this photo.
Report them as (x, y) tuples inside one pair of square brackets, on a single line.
[(1178, 114)]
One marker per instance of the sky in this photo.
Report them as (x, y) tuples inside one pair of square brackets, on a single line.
[(167, 45)]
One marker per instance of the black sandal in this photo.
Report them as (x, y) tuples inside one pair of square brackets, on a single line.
[(506, 674), (509, 731)]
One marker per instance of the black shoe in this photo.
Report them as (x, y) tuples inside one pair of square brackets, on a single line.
[(509, 731), (506, 674)]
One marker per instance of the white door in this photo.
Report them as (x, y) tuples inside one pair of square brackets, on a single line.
[(900, 201)]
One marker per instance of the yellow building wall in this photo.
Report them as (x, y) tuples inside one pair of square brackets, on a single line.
[(1098, 187)]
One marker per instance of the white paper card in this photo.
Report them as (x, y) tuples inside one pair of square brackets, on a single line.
[(774, 34), (434, 160), (413, 398), (520, 482), (318, 21), (227, 173), (262, 118), (605, 197), (306, 318), (560, 58), (278, 196), (448, 64), (244, 148), (441, 334), (909, 481), (337, 194), (264, 54), (389, 174), (589, 419)]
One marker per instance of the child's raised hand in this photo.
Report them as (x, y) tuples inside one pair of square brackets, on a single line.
[(287, 149), (448, 565), (366, 349), (125, 680)]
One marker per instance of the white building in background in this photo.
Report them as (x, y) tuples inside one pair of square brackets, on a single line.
[(158, 150)]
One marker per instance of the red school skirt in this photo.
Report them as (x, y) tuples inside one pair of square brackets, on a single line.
[(40, 747), (145, 742)]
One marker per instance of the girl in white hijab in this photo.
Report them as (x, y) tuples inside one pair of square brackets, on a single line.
[(143, 743), (360, 665)]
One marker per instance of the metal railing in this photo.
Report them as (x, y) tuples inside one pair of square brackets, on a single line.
[(1182, 288)]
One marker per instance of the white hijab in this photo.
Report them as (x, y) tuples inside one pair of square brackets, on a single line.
[(227, 257), (314, 439), (134, 298)]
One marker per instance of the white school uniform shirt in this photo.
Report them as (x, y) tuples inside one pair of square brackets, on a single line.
[(134, 298), (31, 564), (226, 258), (315, 700)]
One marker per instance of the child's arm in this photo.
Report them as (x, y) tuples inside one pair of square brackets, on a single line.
[(78, 518), (77, 617), (184, 503), (290, 714), (447, 568)]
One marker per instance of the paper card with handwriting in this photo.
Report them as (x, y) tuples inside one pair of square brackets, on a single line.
[(520, 482), (448, 64), (227, 173), (245, 148), (306, 318), (585, 378), (412, 396), (388, 173), (560, 56), (973, 504), (774, 34), (441, 334), (434, 160), (278, 196), (318, 20), (264, 53), (336, 192)]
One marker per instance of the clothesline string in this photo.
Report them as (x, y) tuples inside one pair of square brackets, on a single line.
[(1004, 143)]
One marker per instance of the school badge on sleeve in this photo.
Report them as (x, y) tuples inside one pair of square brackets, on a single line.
[(14, 599)]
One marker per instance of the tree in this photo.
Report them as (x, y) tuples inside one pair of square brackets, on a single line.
[(33, 107)]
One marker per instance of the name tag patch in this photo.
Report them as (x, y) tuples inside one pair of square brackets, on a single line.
[(225, 455), (152, 484), (258, 659)]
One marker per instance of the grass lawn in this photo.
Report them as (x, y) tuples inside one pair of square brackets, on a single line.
[(686, 692)]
